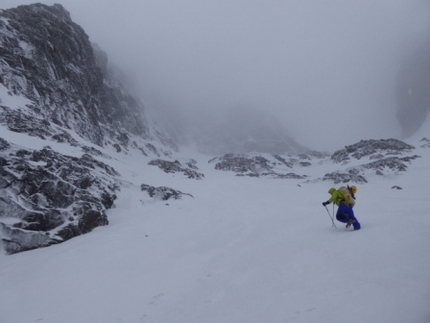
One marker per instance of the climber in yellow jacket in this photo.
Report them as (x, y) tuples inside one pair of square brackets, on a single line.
[(344, 198)]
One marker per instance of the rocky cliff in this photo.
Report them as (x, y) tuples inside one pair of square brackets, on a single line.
[(58, 86), (48, 59)]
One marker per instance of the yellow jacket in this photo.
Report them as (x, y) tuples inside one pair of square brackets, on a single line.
[(342, 195)]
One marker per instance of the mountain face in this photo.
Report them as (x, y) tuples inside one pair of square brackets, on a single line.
[(57, 86), (49, 60)]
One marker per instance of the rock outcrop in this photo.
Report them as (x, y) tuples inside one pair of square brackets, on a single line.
[(255, 165), (353, 164), (378, 157), (176, 167), (47, 197), (373, 149), (57, 86), (163, 193)]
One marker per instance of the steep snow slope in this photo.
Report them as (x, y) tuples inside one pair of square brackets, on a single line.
[(241, 250)]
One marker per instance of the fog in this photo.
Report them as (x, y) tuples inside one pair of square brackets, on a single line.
[(325, 70)]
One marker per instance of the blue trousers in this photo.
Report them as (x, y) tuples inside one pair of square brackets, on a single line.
[(345, 213)]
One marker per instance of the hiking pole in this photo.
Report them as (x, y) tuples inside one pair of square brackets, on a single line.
[(332, 221)]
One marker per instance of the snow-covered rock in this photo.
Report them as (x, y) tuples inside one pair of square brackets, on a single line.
[(55, 85), (256, 165), (425, 143), (163, 193), (353, 164), (379, 157), (65, 82), (176, 167), (50, 197), (373, 149)]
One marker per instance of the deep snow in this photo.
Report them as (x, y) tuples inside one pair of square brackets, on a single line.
[(242, 250)]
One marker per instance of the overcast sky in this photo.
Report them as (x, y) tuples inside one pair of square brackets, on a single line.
[(325, 68)]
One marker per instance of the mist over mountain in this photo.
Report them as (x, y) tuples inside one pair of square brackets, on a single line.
[(246, 130), (413, 86), (241, 129)]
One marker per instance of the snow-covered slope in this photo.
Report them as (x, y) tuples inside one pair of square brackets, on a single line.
[(241, 249)]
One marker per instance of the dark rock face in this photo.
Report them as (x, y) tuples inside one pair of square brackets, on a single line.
[(163, 193), (176, 167), (49, 60), (50, 197)]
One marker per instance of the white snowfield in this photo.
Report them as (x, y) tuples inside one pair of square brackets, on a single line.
[(243, 250)]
